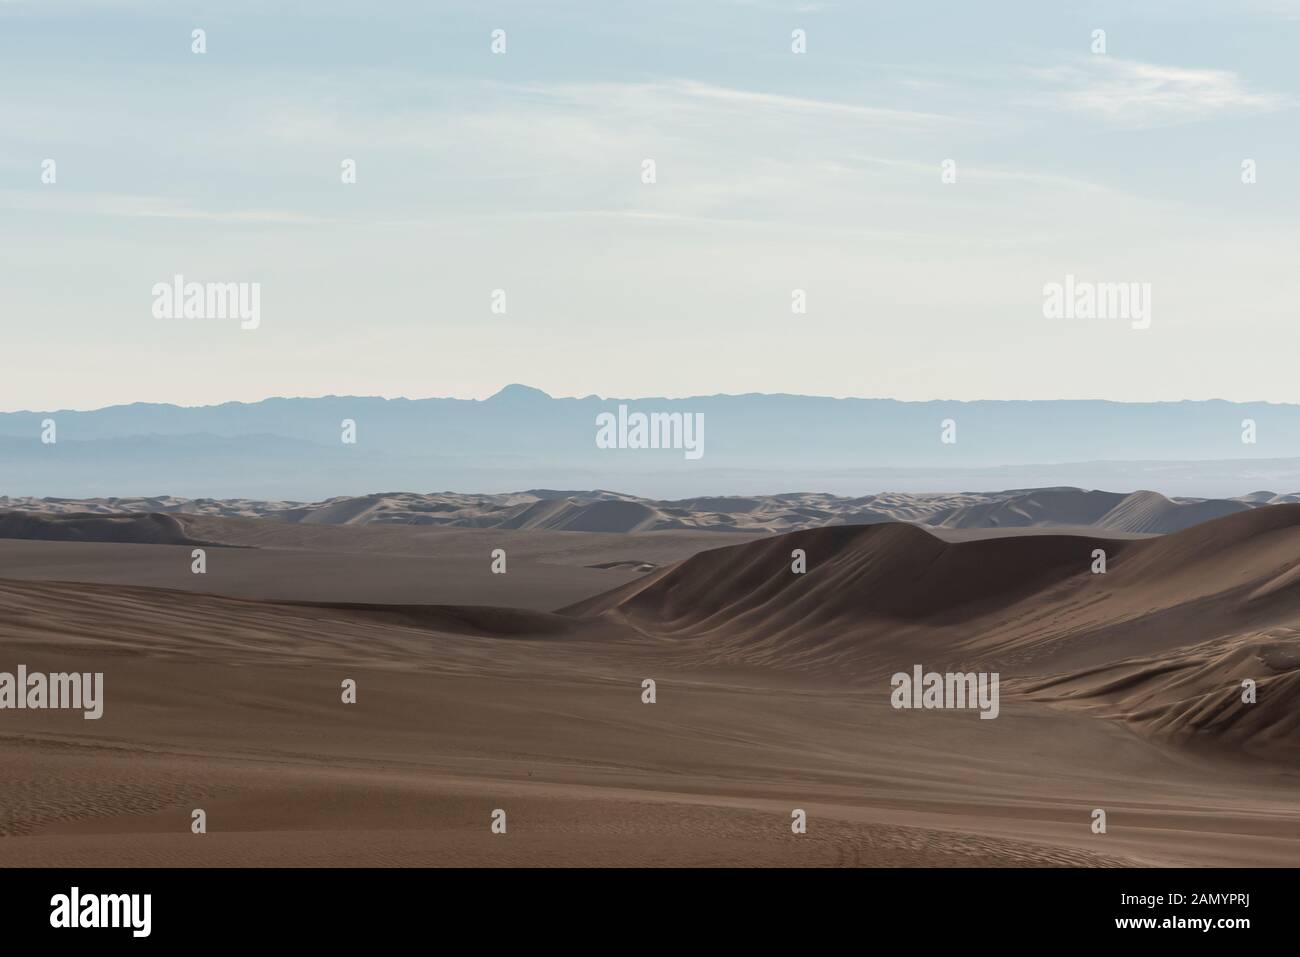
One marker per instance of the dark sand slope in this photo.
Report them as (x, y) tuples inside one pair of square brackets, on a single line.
[(1194, 695), (134, 528), (772, 692)]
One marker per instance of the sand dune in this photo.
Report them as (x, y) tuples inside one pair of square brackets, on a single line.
[(1053, 506), (1121, 691), (233, 706), (1152, 512), (1194, 694), (133, 527), (876, 599), (602, 516), (1138, 513)]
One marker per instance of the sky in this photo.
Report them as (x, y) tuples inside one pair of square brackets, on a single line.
[(522, 171)]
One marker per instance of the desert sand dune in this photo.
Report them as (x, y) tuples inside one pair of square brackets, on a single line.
[(876, 599), (234, 707), (875, 596), (143, 528), (604, 516), (1051, 506), (1152, 512), (1137, 513), (1194, 695), (772, 694)]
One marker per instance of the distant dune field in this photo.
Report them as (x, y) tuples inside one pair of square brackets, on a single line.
[(1139, 513)]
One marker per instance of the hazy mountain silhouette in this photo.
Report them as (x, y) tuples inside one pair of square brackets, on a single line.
[(521, 437)]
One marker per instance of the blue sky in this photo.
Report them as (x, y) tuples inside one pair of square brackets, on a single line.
[(521, 172)]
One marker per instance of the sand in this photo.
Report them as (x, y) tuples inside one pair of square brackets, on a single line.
[(772, 694), (1138, 513)]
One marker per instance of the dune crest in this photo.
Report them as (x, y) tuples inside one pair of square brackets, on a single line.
[(877, 599)]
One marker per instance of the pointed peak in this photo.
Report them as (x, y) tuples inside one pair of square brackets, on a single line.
[(515, 391)]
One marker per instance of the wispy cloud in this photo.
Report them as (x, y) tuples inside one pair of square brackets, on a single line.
[(1131, 93), (1022, 177), (805, 106), (144, 207)]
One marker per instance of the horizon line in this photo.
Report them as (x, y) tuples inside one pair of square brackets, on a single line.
[(516, 388)]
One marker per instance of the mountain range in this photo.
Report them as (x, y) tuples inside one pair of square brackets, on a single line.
[(752, 444)]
